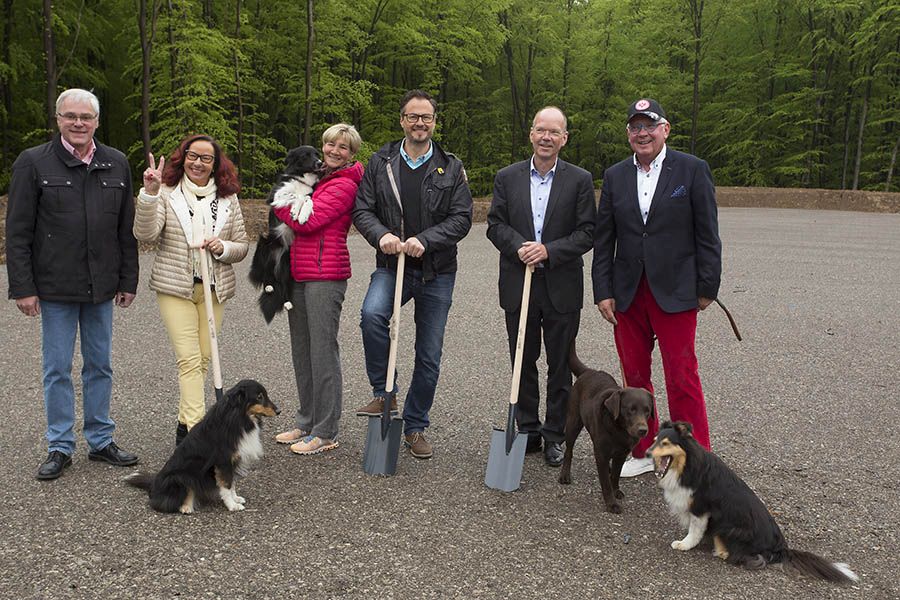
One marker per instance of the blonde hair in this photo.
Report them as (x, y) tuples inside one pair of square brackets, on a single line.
[(346, 131)]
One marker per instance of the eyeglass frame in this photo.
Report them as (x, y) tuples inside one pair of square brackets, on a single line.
[(73, 118), (412, 118), (206, 159), (553, 133), (649, 128)]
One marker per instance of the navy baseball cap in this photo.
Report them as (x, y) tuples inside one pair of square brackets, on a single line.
[(647, 107)]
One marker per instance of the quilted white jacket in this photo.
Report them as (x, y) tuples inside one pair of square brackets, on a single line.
[(165, 217)]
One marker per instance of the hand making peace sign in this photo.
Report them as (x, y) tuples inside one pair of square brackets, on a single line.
[(153, 176)]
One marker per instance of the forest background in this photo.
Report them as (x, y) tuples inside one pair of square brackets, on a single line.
[(781, 93)]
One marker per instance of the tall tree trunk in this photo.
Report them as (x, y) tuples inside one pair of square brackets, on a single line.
[(50, 67), (173, 53), (890, 173), (146, 36), (237, 80), (567, 50), (310, 47), (696, 13), (862, 128), (514, 94), (5, 94)]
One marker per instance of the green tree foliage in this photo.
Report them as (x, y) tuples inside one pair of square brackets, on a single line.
[(793, 93)]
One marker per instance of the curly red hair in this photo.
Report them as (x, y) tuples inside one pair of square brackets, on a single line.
[(224, 171)]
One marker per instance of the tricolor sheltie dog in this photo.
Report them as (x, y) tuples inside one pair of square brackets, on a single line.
[(271, 265), (221, 447), (708, 497)]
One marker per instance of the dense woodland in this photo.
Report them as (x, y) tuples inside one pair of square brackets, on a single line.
[(791, 93)]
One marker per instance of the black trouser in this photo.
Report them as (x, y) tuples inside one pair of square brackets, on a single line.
[(558, 331)]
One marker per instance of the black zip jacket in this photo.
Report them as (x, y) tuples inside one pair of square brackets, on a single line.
[(446, 208)]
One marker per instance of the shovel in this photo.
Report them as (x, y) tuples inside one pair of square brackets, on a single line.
[(507, 454), (383, 435), (210, 317)]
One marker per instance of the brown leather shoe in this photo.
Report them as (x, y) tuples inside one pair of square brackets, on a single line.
[(374, 408), (418, 445)]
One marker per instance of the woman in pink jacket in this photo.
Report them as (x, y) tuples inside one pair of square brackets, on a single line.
[(320, 265)]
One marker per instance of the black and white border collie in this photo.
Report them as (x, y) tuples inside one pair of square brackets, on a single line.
[(217, 450), (708, 497), (271, 265)]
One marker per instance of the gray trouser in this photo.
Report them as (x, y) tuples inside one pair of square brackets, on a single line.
[(314, 323)]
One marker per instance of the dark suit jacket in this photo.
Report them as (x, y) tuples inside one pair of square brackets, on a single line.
[(679, 247), (567, 232)]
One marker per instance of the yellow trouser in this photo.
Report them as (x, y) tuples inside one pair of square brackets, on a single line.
[(186, 324)]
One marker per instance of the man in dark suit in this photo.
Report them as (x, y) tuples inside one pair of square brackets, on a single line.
[(542, 215), (657, 260)]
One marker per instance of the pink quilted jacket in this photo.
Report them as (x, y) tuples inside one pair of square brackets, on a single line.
[(319, 251)]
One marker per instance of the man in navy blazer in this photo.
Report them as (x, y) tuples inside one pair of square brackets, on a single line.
[(542, 215), (657, 260)]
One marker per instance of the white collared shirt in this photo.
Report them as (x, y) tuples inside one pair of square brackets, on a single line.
[(647, 180), (540, 196)]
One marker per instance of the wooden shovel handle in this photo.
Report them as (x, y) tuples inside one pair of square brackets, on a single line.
[(395, 323), (207, 301), (520, 338)]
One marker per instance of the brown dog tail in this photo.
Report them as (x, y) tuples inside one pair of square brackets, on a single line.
[(816, 566), (575, 365)]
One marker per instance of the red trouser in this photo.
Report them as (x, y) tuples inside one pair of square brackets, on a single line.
[(675, 332)]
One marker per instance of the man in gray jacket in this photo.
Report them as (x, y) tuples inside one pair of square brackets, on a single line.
[(70, 255), (414, 199)]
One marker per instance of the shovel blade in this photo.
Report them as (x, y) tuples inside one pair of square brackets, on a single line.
[(380, 456), (504, 470)]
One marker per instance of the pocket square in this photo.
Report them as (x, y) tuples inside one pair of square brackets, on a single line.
[(680, 192)]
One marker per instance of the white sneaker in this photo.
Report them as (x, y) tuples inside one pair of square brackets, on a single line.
[(637, 466)]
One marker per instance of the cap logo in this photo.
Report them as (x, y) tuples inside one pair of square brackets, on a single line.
[(641, 105)]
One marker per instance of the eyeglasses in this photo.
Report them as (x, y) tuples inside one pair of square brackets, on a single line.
[(635, 128), (413, 117), (204, 158), (72, 117), (554, 133)]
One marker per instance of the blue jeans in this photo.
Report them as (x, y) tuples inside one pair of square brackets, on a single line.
[(59, 323), (433, 300)]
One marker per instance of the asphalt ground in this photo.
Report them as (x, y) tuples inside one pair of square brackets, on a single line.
[(804, 409)]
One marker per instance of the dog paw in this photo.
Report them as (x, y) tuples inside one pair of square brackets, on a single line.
[(614, 507), (186, 510), (269, 289), (680, 545), (288, 306), (240, 500), (619, 494), (235, 506), (723, 554), (565, 478)]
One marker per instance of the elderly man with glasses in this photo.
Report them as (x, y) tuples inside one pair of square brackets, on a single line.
[(414, 199), (70, 255), (542, 215), (657, 261)]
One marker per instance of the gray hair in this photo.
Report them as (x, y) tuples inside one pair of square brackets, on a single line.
[(343, 130), (78, 95)]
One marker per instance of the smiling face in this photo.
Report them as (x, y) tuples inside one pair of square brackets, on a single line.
[(417, 131), (337, 153), (548, 135), (77, 123), (647, 144), (199, 160)]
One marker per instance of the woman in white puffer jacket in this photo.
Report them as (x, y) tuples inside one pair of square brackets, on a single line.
[(196, 188)]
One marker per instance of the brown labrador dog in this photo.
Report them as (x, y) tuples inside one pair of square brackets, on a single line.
[(615, 417)]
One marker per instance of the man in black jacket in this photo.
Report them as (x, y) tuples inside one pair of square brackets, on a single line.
[(657, 260), (70, 255), (542, 215), (414, 199)]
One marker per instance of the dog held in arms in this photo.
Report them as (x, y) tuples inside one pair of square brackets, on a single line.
[(615, 417), (217, 450), (271, 266), (708, 497)]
